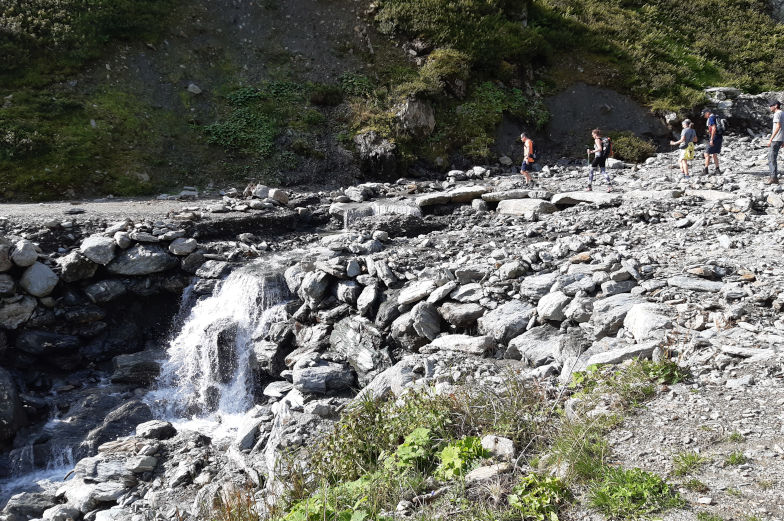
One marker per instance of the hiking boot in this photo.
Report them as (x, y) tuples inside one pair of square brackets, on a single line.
[(772, 181), (705, 171), (717, 172), (610, 188), (589, 189)]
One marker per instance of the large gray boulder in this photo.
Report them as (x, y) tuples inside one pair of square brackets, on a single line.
[(537, 346), (182, 246), (647, 320), (119, 422), (99, 249), (36, 342), (377, 155), (28, 505), (360, 342), (314, 287), (416, 117), (506, 321), (24, 253), (393, 380), (105, 291), (472, 345), (609, 313), (15, 311), (527, 208), (39, 280), (461, 315), (142, 260), (137, 368), (552, 306), (321, 377), (5, 257), (75, 266), (11, 411), (426, 320)]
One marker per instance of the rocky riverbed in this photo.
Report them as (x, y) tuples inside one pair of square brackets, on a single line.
[(375, 289)]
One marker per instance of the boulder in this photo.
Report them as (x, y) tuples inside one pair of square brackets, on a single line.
[(348, 291), (646, 320), (75, 266), (609, 313), (138, 369), (472, 345), (416, 117), (7, 285), (213, 269), (142, 260), (314, 287), (105, 291), (597, 198), (278, 195), (466, 194), (497, 197), (501, 448), (16, 311), (433, 199), (99, 249), (24, 253), (38, 280), (377, 155), (695, 284), (552, 305), (468, 293), (61, 513), (415, 292), (367, 300), (321, 377), (27, 505), (5, 257), (119, 422), (461, 315), (616, 356), (182, 246), (527, 208), (537, 346), (360, 343), (156, 430), (123, 239), (36, 343), (426, 320), (393, 380), (535, 287), (506, 321)]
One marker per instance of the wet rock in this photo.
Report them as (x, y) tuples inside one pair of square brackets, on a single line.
[(12, 416), (75, 266), (156, 430), (28, 505), (45, 342), (99, 249), (24, 253), (16, 311), (213, 269), (137, 368), (39, 280), (142, 260), (105, 291), (119, 422), (192, 262), (5, 258), (433, 199), (506, 321)]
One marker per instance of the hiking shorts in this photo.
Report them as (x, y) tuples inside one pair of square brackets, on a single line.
[(716, 147), (599, 161), (527, 167)]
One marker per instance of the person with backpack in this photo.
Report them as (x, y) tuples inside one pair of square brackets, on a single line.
[(775, 141), (715, 139), (529, 158), (686, 146), (602, 149)]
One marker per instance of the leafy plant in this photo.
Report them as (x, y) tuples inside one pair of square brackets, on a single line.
[(539, 498), (737, 437), (457, 457), (633, 493), (628, 147), (665, 372), (416, 451)]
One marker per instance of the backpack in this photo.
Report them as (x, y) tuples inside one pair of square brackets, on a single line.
[(721, 124), (689, 154), (533, 151), (607, 150)]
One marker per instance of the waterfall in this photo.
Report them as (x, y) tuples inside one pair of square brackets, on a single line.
[(208, 372), (25, 476)]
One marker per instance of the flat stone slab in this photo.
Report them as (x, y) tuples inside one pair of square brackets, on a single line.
[(657, 195), (466, 194), (616, 356), (433, 199), (526, 207), (694, 284), (497, 197), (472, 345), (711, 195), (573, 198)]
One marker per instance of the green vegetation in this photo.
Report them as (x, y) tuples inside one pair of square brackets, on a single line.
[(538, 498), (737, 437), (458, 456), (696, 485), (735, 458), (633, 493), (629, 147), (687, 462), (707, 516)]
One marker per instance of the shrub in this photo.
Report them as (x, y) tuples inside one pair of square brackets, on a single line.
[(735, 458), (329, 95), (628, 147), (687, 462), (237, 505), (630, 494), (539, 498)]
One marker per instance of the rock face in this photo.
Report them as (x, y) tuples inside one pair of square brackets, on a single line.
[(142, 260), (416, 117), (376, 154), (11, 412)]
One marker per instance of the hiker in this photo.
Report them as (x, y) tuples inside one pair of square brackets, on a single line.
[(528, 158), (715, 138), (602, 149), (775, 141), (686, 146)]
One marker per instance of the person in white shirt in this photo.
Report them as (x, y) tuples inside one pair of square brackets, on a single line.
[(775, 141)]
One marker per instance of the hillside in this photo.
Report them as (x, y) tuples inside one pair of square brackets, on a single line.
[(131, 98)]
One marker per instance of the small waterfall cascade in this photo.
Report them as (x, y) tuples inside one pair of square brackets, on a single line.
[(25, 473), (209, 370)]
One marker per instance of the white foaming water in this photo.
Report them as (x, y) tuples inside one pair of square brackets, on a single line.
[(25, 477), (206, 384)]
